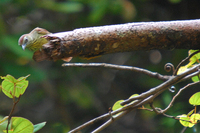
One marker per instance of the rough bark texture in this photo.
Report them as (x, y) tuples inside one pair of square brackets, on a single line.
[(95, 41)]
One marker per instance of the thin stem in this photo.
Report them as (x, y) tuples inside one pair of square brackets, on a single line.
[(11, 112), (110, 121), (177, 94)]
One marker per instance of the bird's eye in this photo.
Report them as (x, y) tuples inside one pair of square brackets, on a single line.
[(25, 40)]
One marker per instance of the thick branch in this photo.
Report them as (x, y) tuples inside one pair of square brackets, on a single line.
[(95, 41)]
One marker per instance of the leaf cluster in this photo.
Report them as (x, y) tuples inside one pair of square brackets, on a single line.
[(15, 88), (192, 118)]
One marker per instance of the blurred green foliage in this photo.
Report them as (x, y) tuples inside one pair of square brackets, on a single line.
[(68, 97)]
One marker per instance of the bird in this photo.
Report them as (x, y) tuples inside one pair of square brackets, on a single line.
[(34, 40)]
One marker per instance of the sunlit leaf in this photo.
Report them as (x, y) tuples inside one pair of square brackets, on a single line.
[(21, 125), (134, 95), (38, 126), (197, 56), (185, 120), (194, 118), (117, 105), (195, 79), (195, 99), (182, 69), (12, 87), (192, 111)]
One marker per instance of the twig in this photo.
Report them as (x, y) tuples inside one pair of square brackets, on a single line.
[(143, 98), (177, 94), (168, 83), (119, 67), (154, 109), (11, 112), (146, 97), (91, 122), (129, 108), (110, 121), (166, 115), (160, 111)]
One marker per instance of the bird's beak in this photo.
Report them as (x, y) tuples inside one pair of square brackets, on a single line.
[(24, 46)]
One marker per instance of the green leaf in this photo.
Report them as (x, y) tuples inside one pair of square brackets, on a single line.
[(195, 99), (197, 56), (21, 125), (12, 87), (38, 126), (192, 111), (195, 79), (185, 120), (194, 59), (134, 95), (194, 118), (117, 105), (182, 69)]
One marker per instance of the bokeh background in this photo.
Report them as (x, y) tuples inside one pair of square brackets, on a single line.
[(68, 97)]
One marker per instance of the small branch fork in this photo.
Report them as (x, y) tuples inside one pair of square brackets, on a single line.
[(138, 101), (11, 112)]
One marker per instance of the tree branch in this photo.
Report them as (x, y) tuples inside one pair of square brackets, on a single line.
[(96, 41), (138, 101), (120, 67)]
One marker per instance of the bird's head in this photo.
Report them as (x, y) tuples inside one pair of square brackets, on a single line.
[(34, 40), (25, 41)]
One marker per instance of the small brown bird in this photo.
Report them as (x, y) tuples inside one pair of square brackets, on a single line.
[(34, 40)]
